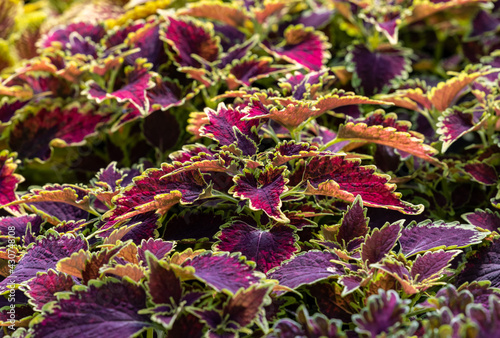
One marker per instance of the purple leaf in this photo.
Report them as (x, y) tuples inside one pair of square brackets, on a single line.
[(482, 172), (20, 224), (166, 94), (375, 70), (428, 235), (267, 248), (264, 191), (354, 223), (245, 305), (102, 309), (307, 268), (456, 122), (431, 265), (487, 320), (382, 312), (44, 255), (225, 125), (163, 285), (62, 35), (147, 39), (223, 271), (483, 265), (380, 242), (42, 288), (158, 247), (302, 46), (148, 223), (485, 219), (8, 109), (248, 70)]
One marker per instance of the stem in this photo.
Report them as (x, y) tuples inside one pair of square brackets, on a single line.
[(225, 197), (332, 142), (112, 80), (271, 133), (150, 333)]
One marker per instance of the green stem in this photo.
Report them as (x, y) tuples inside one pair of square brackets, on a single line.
[(150, 333), (270, 131), (332, 142), (112, 80), (225, 197)]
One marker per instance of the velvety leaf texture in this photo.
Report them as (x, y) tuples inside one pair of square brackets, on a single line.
[(431, 264), (264, 191), (436, 235), (158, 247), (307, 268), (163, 285), (376, 69), (109, 309), (244, 306), (223, 271), (41, 289), (456, 122), (43, 256), (266, 248), (482, 172), (484, 265), (354, 223), (380, 242)]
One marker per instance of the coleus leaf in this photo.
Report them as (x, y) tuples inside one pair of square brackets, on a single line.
[(138, 79), (267, 248), (380, 242), (62, 35), (226, 127), (188, 37), (354, 223), (306, 86), (431, 265), (44, 255), (317, 325), (41, 128), (250, 69), (290, 150), (42, 288), (307, 268), (456, 122), (20, 225), (429, 235), (375, 70), (163, 286), (103, 308), (486, 319), (9, 180), (481, 172), (147, 39), (344, 179), (158, 247), (222, 271), (485, 219), (483, 265), (166, 94), (340, 98), (303, 46), (152, 192), (263, 189), (382, 312), (388, 136)]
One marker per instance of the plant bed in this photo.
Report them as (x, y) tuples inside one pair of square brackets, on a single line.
[(249, 168)]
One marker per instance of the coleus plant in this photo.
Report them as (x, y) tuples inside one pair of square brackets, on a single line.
[(250, 168)]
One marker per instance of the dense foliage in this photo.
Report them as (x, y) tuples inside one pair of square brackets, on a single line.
[(250, 168)]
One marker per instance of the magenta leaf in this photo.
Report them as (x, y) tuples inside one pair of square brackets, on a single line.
[(431, 265), (146, 38), (223, 271), (382, 312), (482, 172), (62, 35), (103, 308), (188, 37), (166, 94), (8, 180), (307, 268), (40, 129), (43, 256), (267, 248), (428, 235), (380, 242), (163, 285), (485, 219), (303, 46), (248, 70), (345, 179), (483, 265), (487, 320), (226, 127), (375, 70), (158, 247), (137, 80), (42, 288), (263, 191), (20, 225)]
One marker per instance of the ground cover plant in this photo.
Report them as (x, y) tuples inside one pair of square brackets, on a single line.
[(267, 168)]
